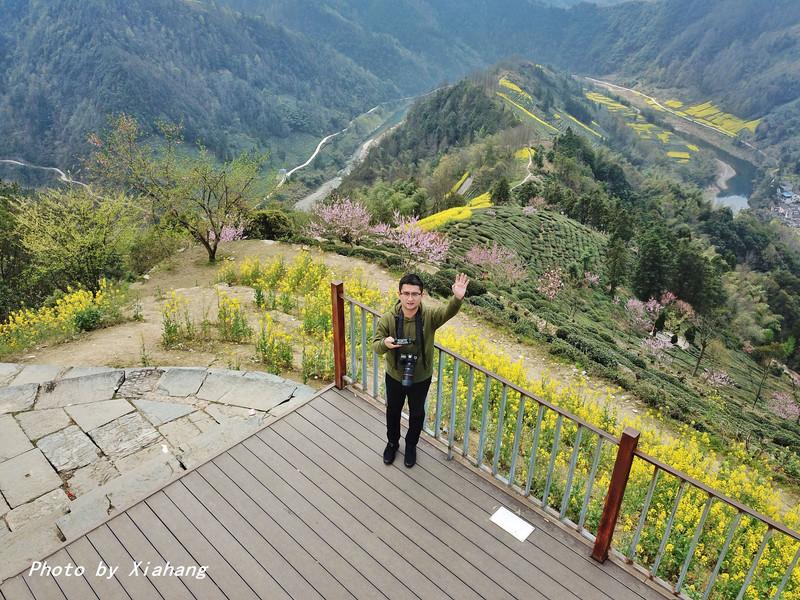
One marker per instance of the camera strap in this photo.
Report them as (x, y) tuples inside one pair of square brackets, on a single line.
[(398, 332)]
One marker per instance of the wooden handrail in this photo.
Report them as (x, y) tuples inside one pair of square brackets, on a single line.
[(616, 491), (339, 351)]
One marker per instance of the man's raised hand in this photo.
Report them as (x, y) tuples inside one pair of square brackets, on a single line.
[(460, 286)]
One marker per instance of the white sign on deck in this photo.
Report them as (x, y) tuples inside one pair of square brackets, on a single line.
[(517, 527)]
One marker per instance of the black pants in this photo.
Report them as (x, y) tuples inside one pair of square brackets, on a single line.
[(395, 398)]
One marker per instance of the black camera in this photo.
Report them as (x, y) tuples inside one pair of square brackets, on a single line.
[(404, 341), (408, 361)]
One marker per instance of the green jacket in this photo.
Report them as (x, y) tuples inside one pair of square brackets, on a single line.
[(432, 319)]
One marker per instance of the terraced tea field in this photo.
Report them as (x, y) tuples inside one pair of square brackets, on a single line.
[(673, 146)]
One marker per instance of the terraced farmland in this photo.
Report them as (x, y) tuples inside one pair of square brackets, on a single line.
[(543, 239), (672, 145)]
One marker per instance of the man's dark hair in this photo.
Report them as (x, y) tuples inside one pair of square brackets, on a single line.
[(410, 279)]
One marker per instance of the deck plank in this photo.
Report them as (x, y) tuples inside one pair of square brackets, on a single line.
[(391, 527), (497, 563), (114, 554), (305, 508), (170, 548), (15, 589), (571, 564), (261, 581), (273, 509), (281, 568), (141, 549), (324, 514), (230, 582)]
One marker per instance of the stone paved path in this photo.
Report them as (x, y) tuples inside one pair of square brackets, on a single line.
[(80, 444)]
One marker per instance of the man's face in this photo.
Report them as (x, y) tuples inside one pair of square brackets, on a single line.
[(410, 296)]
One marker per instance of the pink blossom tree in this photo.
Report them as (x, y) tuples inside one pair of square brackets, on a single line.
[(785, 405), (342, 220), (415, 244), (551, 283), (717, 378), (502, 263), (229, 233), (657, 348)]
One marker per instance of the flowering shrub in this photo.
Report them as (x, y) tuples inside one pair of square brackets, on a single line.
[(643, 314), (551, 283), (657, 348), (231, 320), (717, 378), (176, 322), (228, 233), (273, 347), (415, 244), (502, 263), (77, 310), (784, 405), (342, 220), (591, 279)]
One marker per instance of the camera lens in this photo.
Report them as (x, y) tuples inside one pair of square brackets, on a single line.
[(408, 361)]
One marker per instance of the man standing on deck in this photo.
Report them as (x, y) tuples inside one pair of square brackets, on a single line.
[(405, 335)]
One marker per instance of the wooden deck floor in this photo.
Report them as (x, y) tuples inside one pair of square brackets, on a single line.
[(307, 509)]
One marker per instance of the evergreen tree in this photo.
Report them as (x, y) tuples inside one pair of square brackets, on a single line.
[(616, 263), (653, 271), (501, 192)]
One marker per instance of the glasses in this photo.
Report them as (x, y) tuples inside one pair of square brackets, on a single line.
[(411, 294)]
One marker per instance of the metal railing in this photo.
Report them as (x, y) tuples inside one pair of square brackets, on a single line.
[(556, 460)]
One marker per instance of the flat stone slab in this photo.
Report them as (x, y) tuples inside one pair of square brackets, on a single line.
[(179, 431), (93, 415), (125, 435), (159, 413), (26, 477), (39, 423), (84, 371), (91, 388), (55, 502), (33, 542), (132, 462), (182, 381), (68, 449), (17, 398), (8, 371), (218, 383), (260, 391), (91, 477), (139, 382), (36, 374), (13, 440), (4, 508)]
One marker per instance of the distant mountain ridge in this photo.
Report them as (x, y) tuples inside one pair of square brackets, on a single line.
[(243, 73)]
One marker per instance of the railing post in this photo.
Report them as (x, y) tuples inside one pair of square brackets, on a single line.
[(337, 312), (616, 491)]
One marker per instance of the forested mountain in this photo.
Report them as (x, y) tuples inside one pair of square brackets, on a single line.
[(257, 72), (232, 81)]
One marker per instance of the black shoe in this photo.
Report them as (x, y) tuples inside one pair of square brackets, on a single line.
[(389, 452), (411, 456)]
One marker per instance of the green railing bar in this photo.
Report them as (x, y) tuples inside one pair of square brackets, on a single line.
[(352, 341), (754, 564), (643, 517), (534, 449), (452, 425), (731, 530), (553, 454), (590, 482), (484, 415), (570, 474), (517, 435), (363, 350), (375, 369), (786, 577), (693, 546), (668, 529), (437, 422), (498, 436), (468, 415)]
